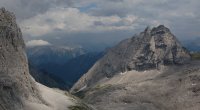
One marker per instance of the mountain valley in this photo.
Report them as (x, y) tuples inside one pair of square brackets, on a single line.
[(18, 90), (150, 71), (64, 66)]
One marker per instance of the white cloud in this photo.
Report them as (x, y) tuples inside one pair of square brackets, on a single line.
[(40, 18), (72, 20), (33, 43)]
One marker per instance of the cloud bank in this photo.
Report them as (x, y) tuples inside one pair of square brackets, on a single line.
[(49, 19), (71, 20), (33, 43)]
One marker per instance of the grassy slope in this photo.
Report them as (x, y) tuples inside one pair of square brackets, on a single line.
[(196, 56)]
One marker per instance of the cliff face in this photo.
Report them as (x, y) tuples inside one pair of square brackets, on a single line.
[(151, 49), (16, 84)]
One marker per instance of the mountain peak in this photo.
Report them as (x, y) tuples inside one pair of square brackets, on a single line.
[(151, 49), (16, 84), (3, 9), (147, 29), (161, 29), (6, 17)]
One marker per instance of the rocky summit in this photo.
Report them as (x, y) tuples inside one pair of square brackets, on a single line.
[(150, 50), (150, 71), (16, 84)]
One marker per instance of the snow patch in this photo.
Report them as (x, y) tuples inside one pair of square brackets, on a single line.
[(123, 73), (82, 88), (194, 84), (34, 43), (56, 99)]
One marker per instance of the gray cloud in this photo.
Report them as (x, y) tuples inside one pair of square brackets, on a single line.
[(181, 16), (25, 9), (52, 20), (33, 43)]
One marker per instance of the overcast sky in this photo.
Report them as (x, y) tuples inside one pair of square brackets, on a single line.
[(111, 20)]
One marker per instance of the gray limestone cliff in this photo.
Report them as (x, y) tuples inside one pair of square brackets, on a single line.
[(151, 49), (16, 84)]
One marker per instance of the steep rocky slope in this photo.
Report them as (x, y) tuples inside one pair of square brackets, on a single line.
[(18, 90), (149, 50), (16, 84)]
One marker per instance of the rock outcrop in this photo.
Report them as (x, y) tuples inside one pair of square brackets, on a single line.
[(176, 88), (16, 84), (151, 49)]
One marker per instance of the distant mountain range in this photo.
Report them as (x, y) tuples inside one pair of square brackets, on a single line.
[(73, 69), (193, 45), (59, 67), (42, 55), (47, 79), (65, 65)]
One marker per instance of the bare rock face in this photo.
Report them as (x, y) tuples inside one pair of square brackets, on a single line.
[(16, 85), (150, 49)]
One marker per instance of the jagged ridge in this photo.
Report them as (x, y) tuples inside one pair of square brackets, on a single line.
[(151, 49)]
